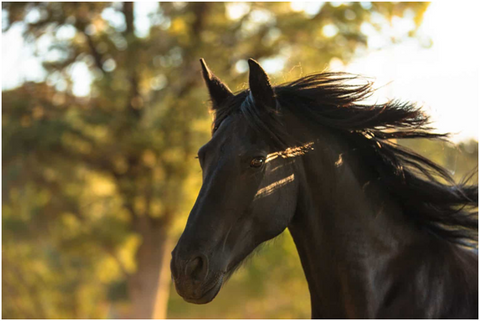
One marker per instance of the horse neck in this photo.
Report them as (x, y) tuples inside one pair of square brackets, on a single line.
[(347, 230)]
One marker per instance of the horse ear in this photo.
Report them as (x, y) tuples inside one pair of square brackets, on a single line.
[(219, 92), (260, 86)]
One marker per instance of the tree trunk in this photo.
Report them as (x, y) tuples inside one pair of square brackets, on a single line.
[(163, 289), (149, 285)]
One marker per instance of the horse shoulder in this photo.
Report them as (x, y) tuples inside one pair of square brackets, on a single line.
[(436, 279)]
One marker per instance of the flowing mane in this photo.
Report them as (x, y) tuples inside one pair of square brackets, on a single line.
[(426, 191)]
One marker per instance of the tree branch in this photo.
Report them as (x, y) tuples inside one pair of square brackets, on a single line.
[(135, 101), (80, 25), (96, 55), (128, 13)]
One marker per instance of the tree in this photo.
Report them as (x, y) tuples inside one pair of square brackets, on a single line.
[(94, 187)]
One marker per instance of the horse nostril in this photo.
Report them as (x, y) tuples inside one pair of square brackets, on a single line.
[(197, 268), (193, 265)]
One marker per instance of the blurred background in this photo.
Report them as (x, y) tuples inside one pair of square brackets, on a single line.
[(104, 109)]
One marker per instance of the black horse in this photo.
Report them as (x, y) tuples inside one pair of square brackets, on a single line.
[(381, 231)]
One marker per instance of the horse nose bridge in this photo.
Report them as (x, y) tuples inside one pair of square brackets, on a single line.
[(215, 181), (199, 241), (195, 241), (205, 226)]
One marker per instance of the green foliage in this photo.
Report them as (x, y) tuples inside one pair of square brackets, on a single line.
[(92, 186)]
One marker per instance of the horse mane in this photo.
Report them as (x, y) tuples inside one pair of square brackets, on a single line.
[(426, 191)]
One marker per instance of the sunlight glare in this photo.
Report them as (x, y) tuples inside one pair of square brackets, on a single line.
[(297, 6), (339, 162), (273, 65), (235, 11), (66, 32), (309, 8), (268, 190), (241, 66), (329, 30), (79, 70), (290, 152), (114, 18), (143, 11), (443, 78)]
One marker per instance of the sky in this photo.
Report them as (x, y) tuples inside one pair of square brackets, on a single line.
[(444, 78)]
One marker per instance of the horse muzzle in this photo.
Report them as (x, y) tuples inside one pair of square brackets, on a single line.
[(194, 281)]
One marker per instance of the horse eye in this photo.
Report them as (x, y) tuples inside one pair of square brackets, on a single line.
[(257, 162)]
